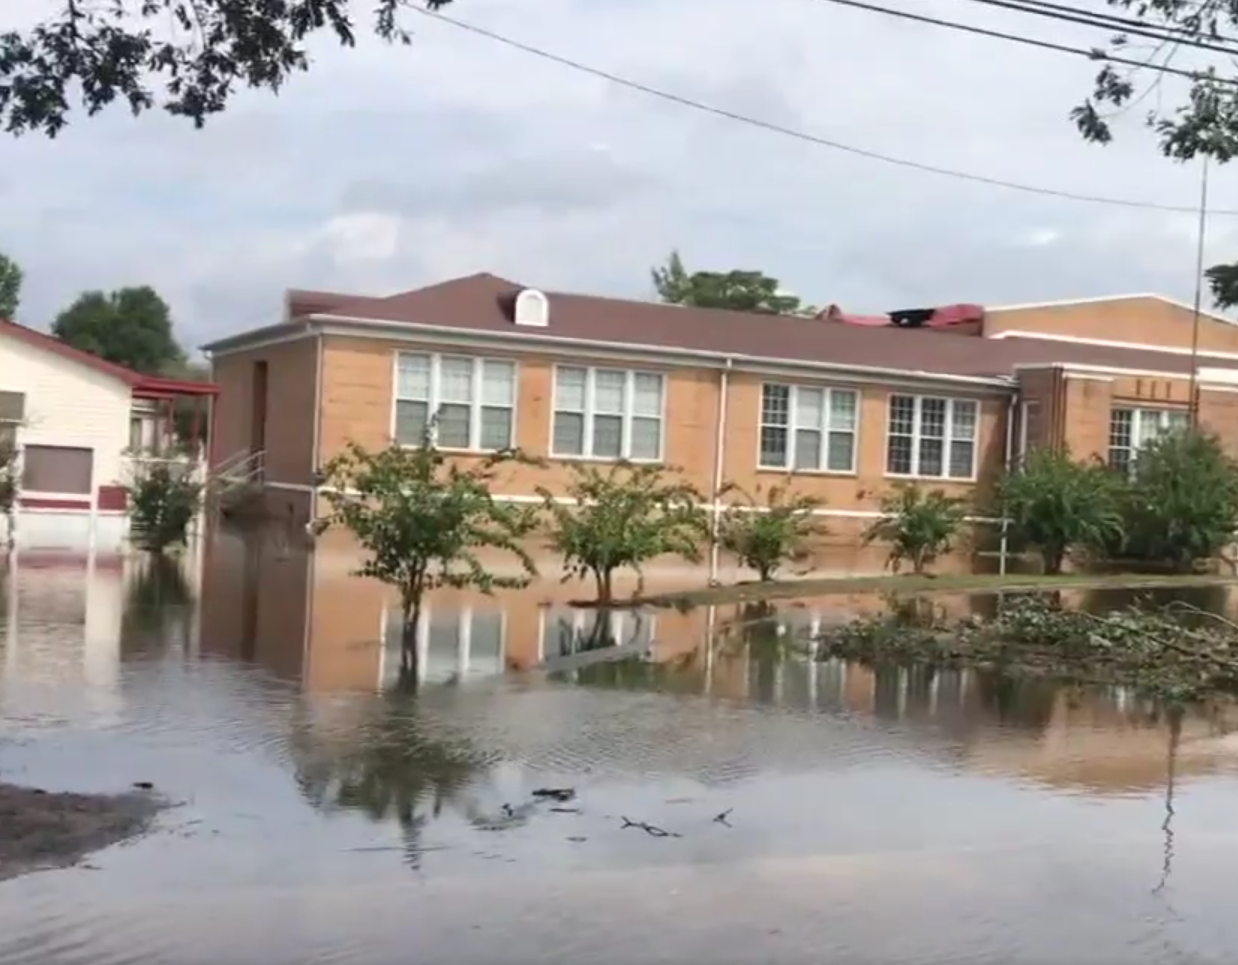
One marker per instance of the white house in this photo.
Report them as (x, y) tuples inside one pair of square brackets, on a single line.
[(76, 422)]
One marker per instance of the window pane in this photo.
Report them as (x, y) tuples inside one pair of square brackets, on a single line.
[(496, 428), (413, 377), (775, 405), (842, 409), (809, 408), (608, 389), (410, 422), (57, 469), (456, 380), (498, 383), (1120, 428), (570, 390), (1149, 425), (807, 449), (961, 459), (452, 431), (902, 415), (647, 395), (898, 455), (933, 418), (841, 452), (569, 434), (932, 456), (963, 421), (1177, 421), (646, 438), (773, 447), (607, 436), (486, 643), (1120, 459), (442, 647)]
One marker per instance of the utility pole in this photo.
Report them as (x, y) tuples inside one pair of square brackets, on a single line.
[(1199, 292)]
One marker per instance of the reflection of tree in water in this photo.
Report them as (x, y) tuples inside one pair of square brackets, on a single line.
[(389, 768), (1026, 703), (156, 601)]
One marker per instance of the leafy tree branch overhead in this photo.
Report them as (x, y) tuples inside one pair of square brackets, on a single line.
[(189, 57), (1201, 121)]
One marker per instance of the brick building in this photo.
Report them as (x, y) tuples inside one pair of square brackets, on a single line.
[(843, 405)]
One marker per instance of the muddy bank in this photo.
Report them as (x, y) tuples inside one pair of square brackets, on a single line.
[(41, 829)]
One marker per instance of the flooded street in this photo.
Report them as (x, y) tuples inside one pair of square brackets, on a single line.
[(733, 801)]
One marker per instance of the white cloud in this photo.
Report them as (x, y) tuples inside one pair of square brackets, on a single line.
[(386, 168)]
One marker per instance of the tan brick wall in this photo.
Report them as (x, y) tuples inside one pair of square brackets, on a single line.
[(1145, 321), (1218, 413), (291, 372), (1087, 405), (358, 390)]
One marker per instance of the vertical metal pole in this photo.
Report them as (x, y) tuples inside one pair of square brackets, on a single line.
[(1199, 293)]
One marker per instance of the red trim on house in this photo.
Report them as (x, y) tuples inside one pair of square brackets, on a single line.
[(36, 559), (35, 502), (143, 386), (113, 498)]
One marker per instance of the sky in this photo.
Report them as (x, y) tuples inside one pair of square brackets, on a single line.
[(387, 168)]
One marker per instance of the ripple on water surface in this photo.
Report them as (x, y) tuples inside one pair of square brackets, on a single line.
[(371, 828)]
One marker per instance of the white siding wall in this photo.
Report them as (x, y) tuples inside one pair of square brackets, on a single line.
[(69, 404)]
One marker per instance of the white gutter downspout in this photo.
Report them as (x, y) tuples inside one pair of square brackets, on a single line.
[(724, 383), (316, 442), (1005, 542)]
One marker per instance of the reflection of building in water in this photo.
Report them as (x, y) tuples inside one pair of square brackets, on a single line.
[(73, 619)]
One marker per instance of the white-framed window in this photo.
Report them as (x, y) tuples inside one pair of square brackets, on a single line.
[(932, 438), (1131, 429), (808, 428), (474, 400), (602, 413)]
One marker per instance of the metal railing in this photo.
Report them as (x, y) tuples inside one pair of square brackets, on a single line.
[(239, 469)]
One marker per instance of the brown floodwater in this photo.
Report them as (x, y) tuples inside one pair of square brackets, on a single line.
[(323, 816)]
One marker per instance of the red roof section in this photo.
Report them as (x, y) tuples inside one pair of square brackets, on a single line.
[(147, 386)]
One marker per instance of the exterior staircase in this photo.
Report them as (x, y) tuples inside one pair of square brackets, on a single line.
[(235, 484)]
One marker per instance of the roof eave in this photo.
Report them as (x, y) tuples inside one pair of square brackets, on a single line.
[(718, 358), (242, 340)]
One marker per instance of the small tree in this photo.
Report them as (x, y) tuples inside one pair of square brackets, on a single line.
[(1055, 503), (1182, 502), (623, 517), (764, 536), (164, 499), (422, 519), (9, 456), (919, 526)]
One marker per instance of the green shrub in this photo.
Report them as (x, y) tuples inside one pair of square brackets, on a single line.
[(765, 536), (164, 499), (1057, 504), (919, 526)]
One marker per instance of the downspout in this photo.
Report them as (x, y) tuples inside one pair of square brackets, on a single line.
[(1004, 546), (724, 384), (316, 442)]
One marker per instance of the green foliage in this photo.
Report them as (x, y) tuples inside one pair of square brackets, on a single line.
[(1056, 504), (1182, 500), (1205, 121), (1223, 283), (8, 477), (188, 56), (625, 515), (186, 410), (130, 327), (11, 278), (164, 499), (765, 536), (422, 519), (919, 526), (738, 290)]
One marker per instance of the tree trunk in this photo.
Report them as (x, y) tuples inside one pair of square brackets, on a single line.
[(605, 592), (410, 615), (1052, 558)]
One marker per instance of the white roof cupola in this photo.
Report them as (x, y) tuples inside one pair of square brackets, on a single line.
[(532, 308)]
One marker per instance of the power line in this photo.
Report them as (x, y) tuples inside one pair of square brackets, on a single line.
[(798, 135), (1090, 54), (1137, 28), (1120, 22)]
